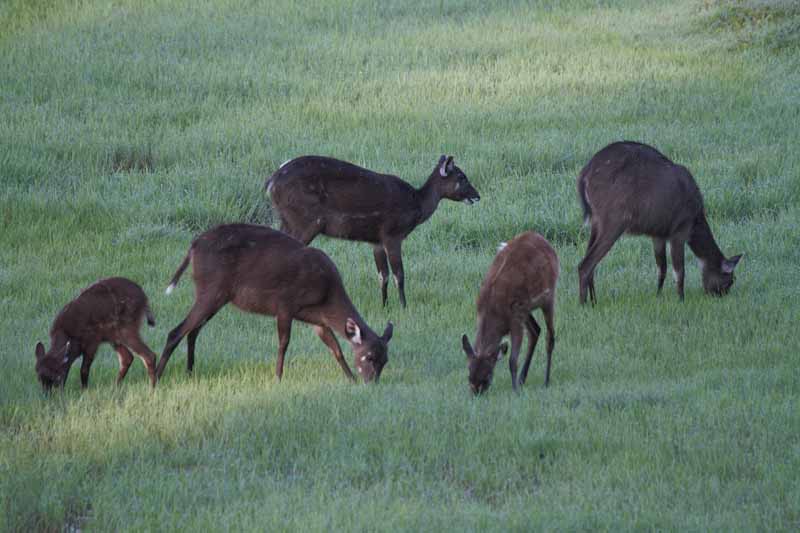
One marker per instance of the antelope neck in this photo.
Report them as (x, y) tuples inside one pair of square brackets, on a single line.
[(703, 244), (429, 198), (489, 334)]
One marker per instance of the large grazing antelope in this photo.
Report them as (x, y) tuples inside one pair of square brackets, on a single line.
[(314, 195), (110, 310), (522, 278), (264, 271), (629, 187)]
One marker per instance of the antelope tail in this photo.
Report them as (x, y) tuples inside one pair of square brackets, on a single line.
[(179, 272)]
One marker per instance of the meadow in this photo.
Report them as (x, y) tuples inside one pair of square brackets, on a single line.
[(129, 126)]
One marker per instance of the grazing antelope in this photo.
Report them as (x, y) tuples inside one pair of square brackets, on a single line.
[(522, 278), (264, 271), (629, 187), (109, 310), (314, 195)]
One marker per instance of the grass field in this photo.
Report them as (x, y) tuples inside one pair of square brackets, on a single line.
[(128, 126)]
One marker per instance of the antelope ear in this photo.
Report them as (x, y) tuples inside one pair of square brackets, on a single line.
[(502, 350), (729, 264), (39, 350), (449, 165), (353, 331), (66, 352), (467, 347), (442, 164), (387, 333)]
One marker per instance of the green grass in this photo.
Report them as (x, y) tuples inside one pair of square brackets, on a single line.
[(127, 127)]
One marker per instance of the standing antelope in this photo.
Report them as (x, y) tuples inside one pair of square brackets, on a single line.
[(110, 310), (522, 278), (264, 271), (629, 187), (314, 195)]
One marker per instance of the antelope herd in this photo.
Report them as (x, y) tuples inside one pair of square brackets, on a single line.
[(626, 187)]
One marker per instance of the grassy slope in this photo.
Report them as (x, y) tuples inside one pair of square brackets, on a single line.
[(129, 126)]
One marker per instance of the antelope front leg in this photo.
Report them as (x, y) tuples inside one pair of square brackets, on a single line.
[(382, 263), (394, 251), (284, 334), (676, 251), (86, 364), (516, 344), (326, 335)]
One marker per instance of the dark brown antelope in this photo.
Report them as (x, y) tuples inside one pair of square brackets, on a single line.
[(110, 310), (314, 195), (264, 271), (522, 278), (632, 188)]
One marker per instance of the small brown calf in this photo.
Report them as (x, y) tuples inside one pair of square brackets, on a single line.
[(264, 271), (522, 278), (110, 310)]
